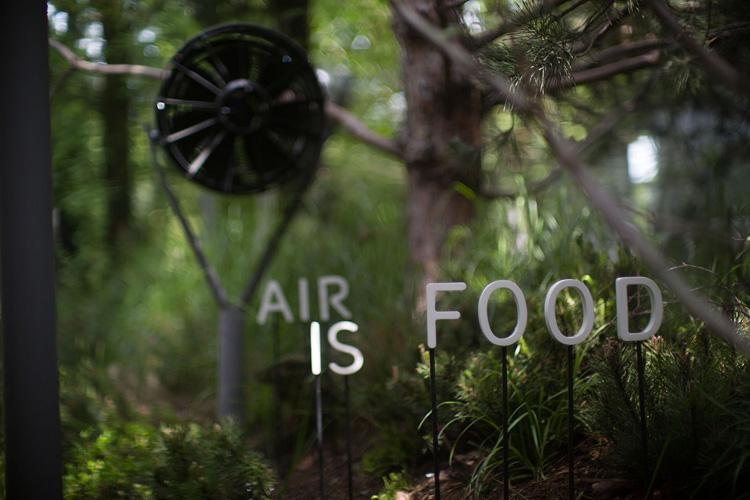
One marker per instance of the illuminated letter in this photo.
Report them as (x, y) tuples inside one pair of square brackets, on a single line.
[(273, 290), (587, 303), (335, 299), (621, 298), (484, 321), (359, 360), (315, 348), (433, 315)]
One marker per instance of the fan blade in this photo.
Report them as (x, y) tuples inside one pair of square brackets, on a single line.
[(282, 80), (287, 127), (216, 61), (277, 147), (208, 105), (176, 136), (300, 101), (199, 160), (196, 77)]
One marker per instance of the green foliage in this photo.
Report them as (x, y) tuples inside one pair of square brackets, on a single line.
[(138, 461), (696, 404), (392, 484)]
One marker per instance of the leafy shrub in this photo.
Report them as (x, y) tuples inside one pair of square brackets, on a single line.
[(139, 461)]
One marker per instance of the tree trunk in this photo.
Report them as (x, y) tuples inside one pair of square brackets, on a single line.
[(116, 136), (441, 141)]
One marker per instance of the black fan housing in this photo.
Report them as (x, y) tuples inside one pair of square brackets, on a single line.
[(241, 110)]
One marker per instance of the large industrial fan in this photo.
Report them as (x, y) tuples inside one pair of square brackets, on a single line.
[(241, 110)]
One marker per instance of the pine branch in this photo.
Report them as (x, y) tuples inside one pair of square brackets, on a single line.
[(714, 64), (489, 36)]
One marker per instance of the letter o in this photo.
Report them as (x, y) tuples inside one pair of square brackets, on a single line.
[(484, 321), (588, 312)]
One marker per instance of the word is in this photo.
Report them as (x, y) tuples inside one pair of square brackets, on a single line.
[(587, 302), (315, 355), (274, 300)]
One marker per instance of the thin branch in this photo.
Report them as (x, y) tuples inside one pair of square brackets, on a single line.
[(606, 71), (619, 52), (584, 47), (76, 62), (714, 64), (359, 130)]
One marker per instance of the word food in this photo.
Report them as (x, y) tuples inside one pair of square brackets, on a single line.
[(587, 302)]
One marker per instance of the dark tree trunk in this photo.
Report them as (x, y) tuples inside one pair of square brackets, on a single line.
[(116, 136), (291, 19), (441, 141)]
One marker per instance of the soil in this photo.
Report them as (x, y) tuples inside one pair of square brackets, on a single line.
[(592, 479)]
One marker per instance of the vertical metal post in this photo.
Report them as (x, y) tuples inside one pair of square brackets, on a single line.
[(641, 362), (506, 437), (231, 332), (571, 427), (435, 440), (33, 463), (319, 428), (348, 439)]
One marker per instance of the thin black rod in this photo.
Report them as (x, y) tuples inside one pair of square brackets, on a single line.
[(348, 439), (641, 362), (435, 444), (506, 437), (319, 426), (31, 414), (273, 244), (212, 278), (571, 459), (276, 392)]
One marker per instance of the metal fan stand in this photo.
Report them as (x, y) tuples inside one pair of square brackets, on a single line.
[(240, 113)]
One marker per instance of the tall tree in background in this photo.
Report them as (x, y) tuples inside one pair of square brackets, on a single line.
[(115, 107), (441, 139)]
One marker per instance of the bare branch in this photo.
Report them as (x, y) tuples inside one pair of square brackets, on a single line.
[(712, 62), (76, 62), (606, 71), (359, 130), (619, 52)]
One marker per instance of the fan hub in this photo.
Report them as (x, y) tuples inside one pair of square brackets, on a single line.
[(243, 106)]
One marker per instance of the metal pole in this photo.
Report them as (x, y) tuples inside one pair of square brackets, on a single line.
[(33, 463), (231, 331), (349, 477), (506, 437), (571, 427), (641, 362), (435, 440), (319, 428)]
